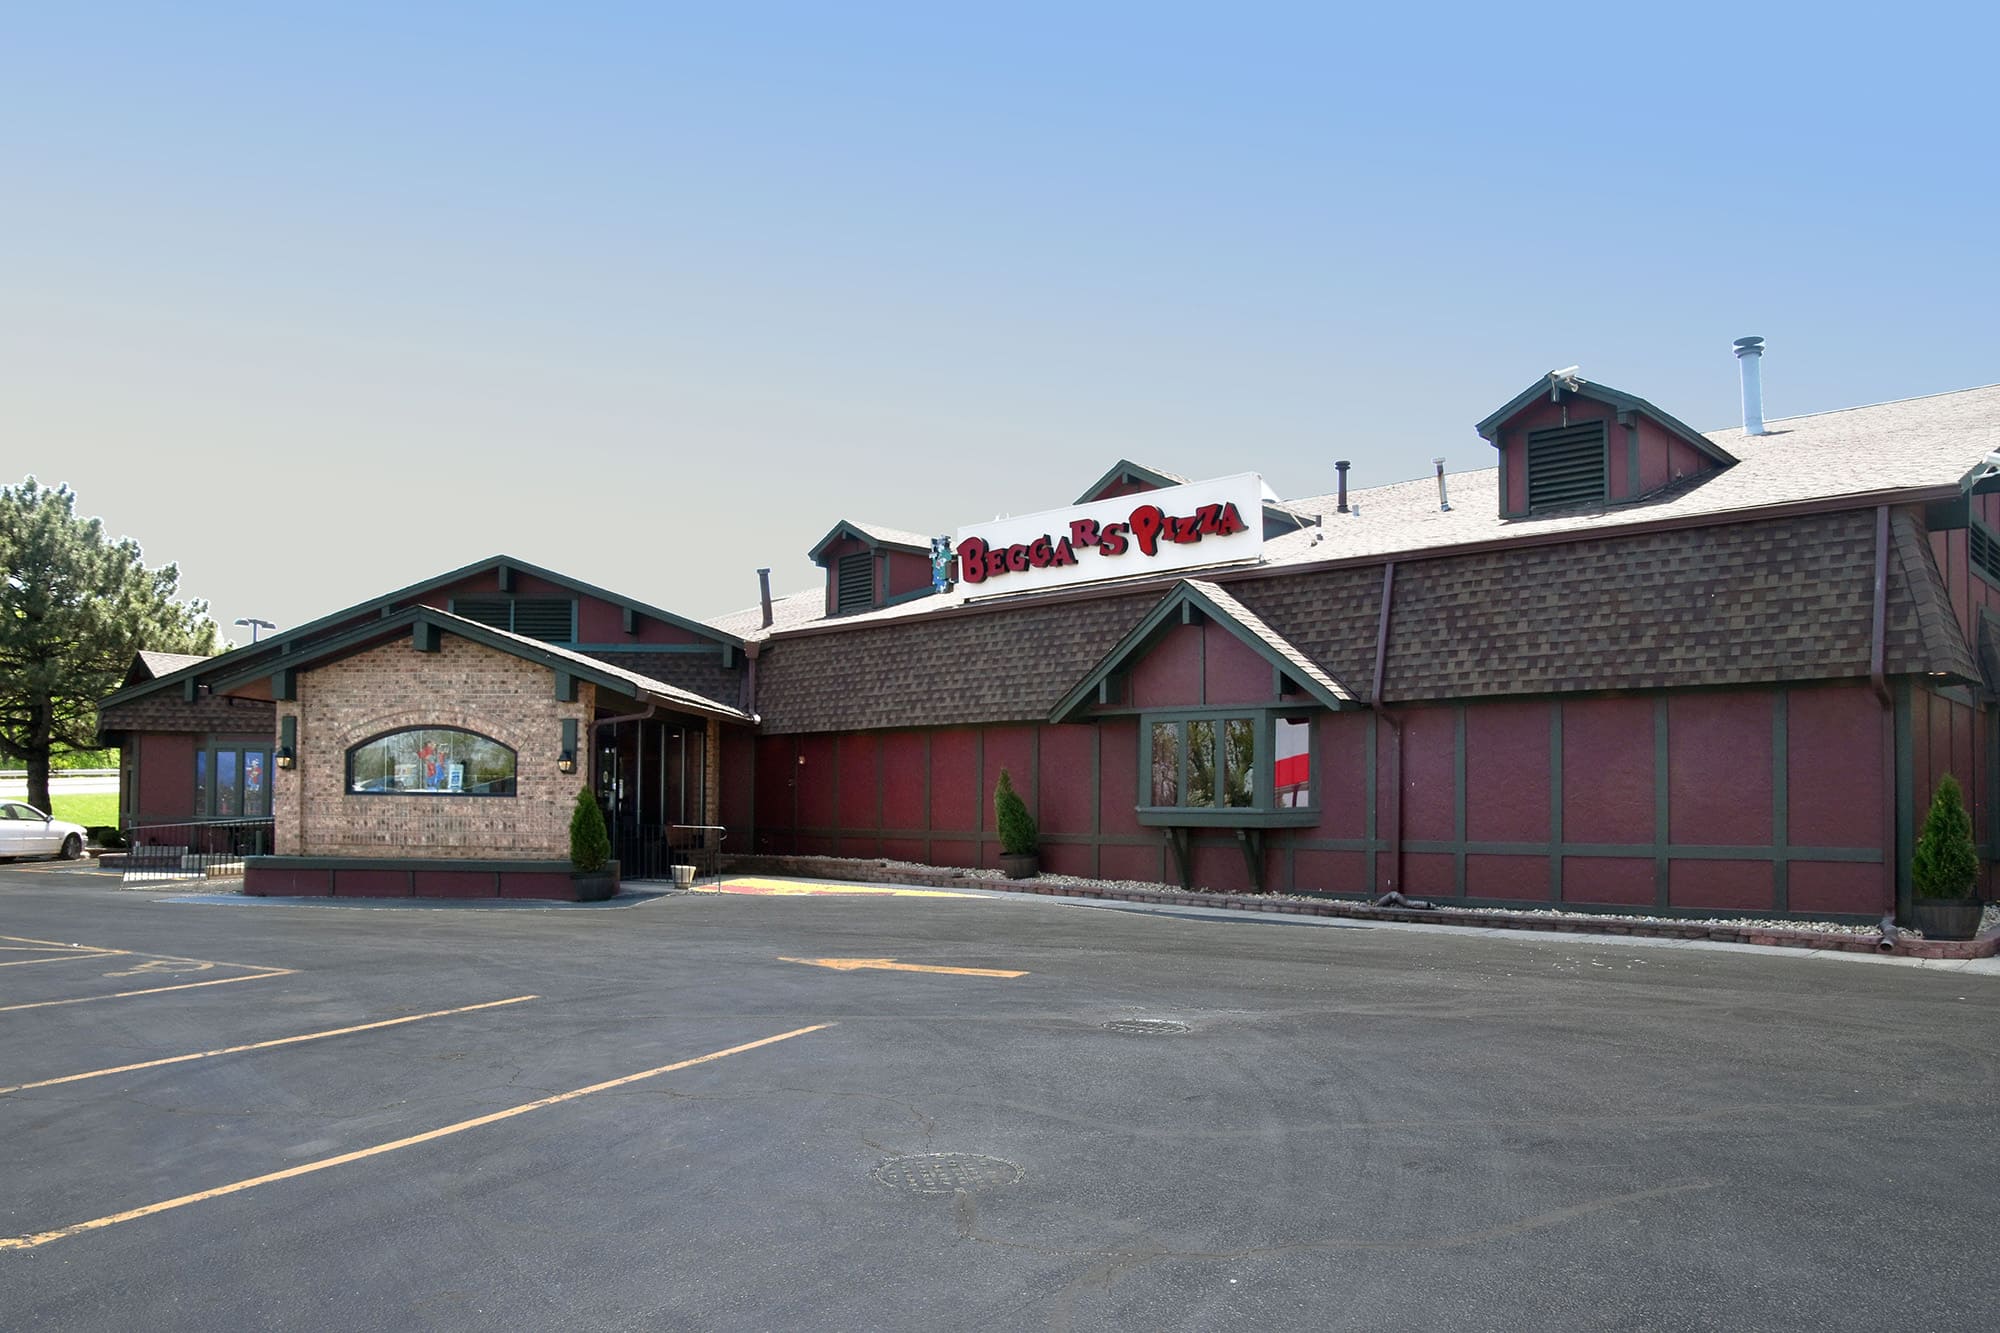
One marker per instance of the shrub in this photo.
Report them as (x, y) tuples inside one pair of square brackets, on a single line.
[(589, 844), (1946, 863), (105, 836), (1010, 815)]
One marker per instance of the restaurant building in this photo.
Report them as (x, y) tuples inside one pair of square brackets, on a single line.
[(1627, 665)]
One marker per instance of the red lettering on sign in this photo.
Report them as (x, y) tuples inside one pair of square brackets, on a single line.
[(1039, 551), (1112, 540), (972, 560), (1084, 532), (1147, 523), (1232, 522), (1064, 553), (1017, 558)]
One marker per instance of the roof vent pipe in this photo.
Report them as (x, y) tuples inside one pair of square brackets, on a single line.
[(764, 594), (1750, 351), (1341, 468), (1444, 501)]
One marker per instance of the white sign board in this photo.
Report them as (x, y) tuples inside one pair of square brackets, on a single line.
[(1149, 532)]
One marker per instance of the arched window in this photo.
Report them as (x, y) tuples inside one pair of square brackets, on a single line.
[(431, 761)]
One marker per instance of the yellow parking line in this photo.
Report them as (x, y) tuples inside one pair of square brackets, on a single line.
[(156, 990), (139, 953), (41, 1238), (891, 965), (59, 958), (265, 1045)]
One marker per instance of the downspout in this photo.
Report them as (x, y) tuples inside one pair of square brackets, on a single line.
[(1395, 730), (1876, 647), (750, 651)]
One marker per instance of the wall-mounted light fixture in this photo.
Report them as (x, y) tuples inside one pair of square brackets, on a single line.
[(286, 758), (566, 759), (288, 741)]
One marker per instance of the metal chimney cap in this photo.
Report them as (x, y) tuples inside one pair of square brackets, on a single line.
[(1749, 346)]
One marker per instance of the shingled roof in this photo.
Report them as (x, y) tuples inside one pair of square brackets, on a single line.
[(1915, 448), (1777, 600)]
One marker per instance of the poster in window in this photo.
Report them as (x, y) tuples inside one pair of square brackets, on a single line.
[(435, 759), (457, 778)]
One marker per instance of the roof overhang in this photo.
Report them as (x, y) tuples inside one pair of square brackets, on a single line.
[(422, 623)]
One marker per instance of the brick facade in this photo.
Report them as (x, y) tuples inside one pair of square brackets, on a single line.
[(394, 686)]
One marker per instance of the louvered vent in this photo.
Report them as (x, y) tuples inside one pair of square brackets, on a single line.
[(1567, 466), (544, 618), (492, 611), (1985, 551), (854, 589)]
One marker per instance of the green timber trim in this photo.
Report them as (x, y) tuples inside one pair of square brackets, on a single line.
[(1906, 799), (366, 636), (1555, 800), (1185, 601), (1630, 421), (398, 602), (1458, 795), (565, 686), (628, 619), (1781, 887), (1662, 811), (1617, 400), (424, 636), (285, 684)]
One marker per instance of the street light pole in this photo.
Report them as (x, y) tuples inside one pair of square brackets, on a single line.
[(255, 625)]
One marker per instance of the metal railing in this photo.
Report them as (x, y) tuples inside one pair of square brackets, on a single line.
[(197, 850), (650, 851)]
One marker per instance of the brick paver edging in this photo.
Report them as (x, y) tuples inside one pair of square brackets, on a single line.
[(866, 872)]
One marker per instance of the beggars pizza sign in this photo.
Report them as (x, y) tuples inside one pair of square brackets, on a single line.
[(1150, 532)]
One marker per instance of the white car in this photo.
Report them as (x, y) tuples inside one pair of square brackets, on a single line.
[(26, 831)]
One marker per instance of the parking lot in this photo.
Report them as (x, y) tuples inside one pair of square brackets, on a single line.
[(780, 1110)]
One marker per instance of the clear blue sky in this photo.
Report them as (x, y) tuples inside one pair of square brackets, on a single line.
[(319, 302)]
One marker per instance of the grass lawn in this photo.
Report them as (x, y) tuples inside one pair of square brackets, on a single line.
[(88, 808)]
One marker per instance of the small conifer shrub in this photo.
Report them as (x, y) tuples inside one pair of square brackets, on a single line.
[(1946, 862), (589, 843), (1011, 817)]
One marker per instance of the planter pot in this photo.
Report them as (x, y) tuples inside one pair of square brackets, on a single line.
[(1026, 866), (1946, 918), (596, 885), (683, 876)]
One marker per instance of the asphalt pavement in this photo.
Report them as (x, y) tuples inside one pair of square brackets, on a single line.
[(930, 1112)]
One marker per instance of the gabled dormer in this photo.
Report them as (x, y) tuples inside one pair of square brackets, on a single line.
[(1129, 478), (869, 566), (1565, 443)]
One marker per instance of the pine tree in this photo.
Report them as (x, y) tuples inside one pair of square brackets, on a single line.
[(1011, 817), (1946, 861), (75, 607), (589, 843)]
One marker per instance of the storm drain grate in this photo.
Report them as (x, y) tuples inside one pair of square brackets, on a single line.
[(1147, 1027), (946, 1173)]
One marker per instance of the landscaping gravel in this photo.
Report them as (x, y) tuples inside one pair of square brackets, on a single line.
[(1991, 920)]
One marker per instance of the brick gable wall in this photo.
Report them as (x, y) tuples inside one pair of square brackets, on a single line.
[(462, 685)]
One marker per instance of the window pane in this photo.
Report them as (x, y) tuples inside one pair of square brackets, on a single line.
[(200, 782), (1201, 764), (433, 761), (225, 785), (1292, 778), (1166, 763), (1239, 771), (256, 796)]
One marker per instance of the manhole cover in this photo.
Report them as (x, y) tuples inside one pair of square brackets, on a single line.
[(946, 1173), (1146, 1027)]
